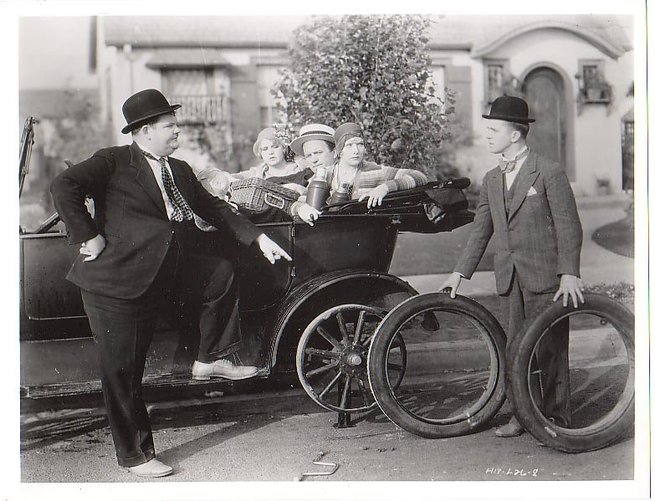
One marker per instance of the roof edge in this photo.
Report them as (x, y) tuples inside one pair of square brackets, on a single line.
[(596, 40), (450, 46), (186, 44)]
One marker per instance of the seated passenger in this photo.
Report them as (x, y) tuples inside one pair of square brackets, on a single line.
[(275, 168), (366, 179), (316, 144)]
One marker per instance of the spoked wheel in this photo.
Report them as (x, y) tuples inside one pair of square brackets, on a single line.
[(587, 400), (454, 370), (331, 358)]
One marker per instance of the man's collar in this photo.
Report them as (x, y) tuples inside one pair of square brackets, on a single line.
[(518, 154), (146, 150)]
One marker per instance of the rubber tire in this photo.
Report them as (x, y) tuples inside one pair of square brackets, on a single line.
[(581, 439), (384, 394)]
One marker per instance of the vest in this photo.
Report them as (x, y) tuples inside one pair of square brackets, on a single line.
[(508, 195)]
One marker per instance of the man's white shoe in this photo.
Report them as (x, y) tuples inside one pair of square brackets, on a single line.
[(153, 469), (222, 368)]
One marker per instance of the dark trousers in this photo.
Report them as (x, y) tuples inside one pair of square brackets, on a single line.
[(549, 380), (203, 290)]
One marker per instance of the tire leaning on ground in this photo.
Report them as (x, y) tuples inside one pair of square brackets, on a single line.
[(609, 428), (473, 416)]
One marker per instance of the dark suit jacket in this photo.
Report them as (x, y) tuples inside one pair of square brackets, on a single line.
[(542, 235), (131, 215)]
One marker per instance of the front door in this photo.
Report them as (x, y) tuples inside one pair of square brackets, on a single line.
[(544, 91)]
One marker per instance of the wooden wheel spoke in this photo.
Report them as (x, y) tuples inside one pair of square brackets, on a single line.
[(327, 336), (342, 327), (321, 370), (328, 358), (359, 326), (344, 394), (322, 353), (362, 390), (330, 385)]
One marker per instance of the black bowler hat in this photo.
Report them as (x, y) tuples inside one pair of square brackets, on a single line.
[(144, 105), (510, 109)]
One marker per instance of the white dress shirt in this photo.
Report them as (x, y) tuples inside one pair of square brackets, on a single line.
[(511, 176), (156, 170)]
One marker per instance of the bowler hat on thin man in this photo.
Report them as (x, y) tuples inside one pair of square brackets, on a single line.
[(144, 105), (510, 109)]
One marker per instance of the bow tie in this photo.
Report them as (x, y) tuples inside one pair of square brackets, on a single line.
[(507, 166)]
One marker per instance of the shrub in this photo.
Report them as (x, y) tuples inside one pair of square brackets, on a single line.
[(621, 291), (375, 71)]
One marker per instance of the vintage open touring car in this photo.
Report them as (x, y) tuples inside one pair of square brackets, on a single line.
[(354, 335)]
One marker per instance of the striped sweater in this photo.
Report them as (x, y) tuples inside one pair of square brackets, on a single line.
[(371, 175)]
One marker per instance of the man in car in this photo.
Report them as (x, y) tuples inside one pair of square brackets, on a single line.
[(140, 254), (315, 143), (527, 202)]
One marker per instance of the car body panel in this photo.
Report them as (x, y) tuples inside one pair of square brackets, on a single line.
[(345, 256)]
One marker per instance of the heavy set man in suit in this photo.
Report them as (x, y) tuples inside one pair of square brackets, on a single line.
[(527, 202), (140, 255)]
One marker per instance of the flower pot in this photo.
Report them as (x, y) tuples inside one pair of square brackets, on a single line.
[(594, 94)]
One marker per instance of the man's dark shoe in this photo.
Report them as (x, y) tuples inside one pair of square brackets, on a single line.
[(511, 429)]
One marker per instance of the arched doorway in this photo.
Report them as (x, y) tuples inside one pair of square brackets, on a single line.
[(549, 135)]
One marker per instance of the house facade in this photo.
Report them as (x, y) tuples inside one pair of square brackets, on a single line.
[(576, 72)]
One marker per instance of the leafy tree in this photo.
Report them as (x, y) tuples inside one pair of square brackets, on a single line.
[(372, 70), (78, 129), (70, 133)]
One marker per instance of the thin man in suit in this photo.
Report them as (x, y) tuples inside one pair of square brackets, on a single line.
[(140, 254), (527, 202)]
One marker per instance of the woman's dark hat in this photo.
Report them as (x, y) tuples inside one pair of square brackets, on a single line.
[(345, 132), (144, 105), (510, 109)]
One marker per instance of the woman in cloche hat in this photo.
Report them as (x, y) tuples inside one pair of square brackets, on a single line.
[(363, 178)]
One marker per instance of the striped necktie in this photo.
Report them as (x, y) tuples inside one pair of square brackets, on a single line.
[(181, 210)]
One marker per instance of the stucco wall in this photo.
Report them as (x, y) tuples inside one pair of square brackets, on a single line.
[(133, 76), (596, 130)]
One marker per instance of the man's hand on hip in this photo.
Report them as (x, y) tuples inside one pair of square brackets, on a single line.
[(93, 248), (452, 282), (270, 249), (569, 285)]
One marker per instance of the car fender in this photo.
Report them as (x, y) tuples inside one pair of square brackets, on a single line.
[(316, 295)]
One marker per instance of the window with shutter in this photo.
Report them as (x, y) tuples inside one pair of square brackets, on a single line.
[(267, 76), (495, 77), (201, 92), (593, 87)]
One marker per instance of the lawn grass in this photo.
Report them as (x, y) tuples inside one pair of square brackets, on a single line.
[(617, 237), (622, 293), (429, 253)]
